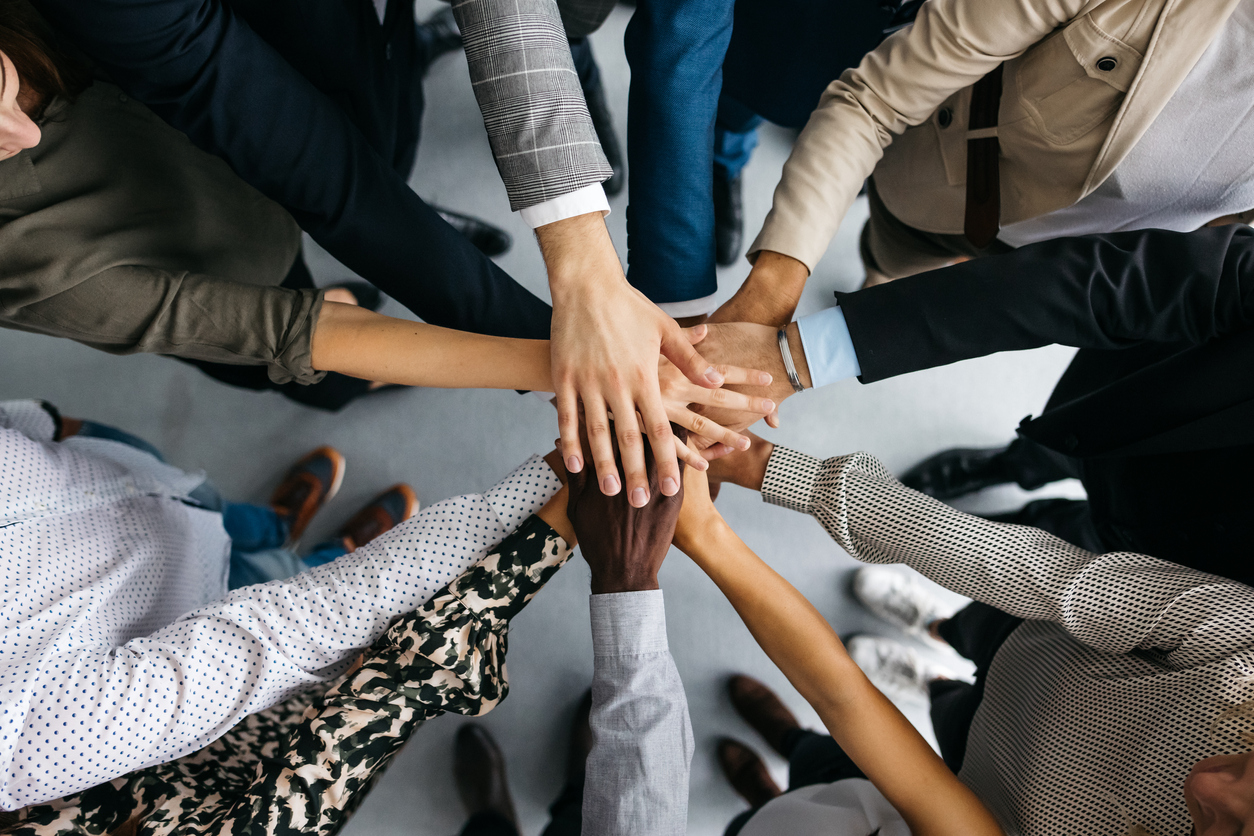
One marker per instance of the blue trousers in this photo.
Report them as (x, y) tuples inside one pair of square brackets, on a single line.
[(705, 73)]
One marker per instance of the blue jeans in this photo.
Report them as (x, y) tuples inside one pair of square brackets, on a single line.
[(692, 63), (258, 553)]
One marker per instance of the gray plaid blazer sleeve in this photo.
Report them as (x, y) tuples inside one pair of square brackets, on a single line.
[(533, 108)]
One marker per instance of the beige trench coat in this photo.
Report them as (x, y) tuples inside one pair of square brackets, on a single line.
[(1065, 122)]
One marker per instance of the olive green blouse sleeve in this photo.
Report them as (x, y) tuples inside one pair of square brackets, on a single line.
[(136, 309)]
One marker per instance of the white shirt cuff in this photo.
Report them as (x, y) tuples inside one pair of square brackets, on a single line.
[(828, 347), (579, 202), (692, 307)]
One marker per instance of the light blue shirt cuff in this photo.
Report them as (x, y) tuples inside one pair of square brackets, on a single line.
[(828, 347)]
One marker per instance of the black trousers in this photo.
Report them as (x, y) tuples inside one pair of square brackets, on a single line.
[(1190, 508), (566, 818), (373, 71), (977, 631)]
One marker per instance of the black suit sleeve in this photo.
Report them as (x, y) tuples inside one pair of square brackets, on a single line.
[(1101, 291), (205, 71)]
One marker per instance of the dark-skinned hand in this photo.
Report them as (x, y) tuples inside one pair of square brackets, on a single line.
[(624, 546)]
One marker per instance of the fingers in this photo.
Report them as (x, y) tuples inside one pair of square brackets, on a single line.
[(746, 377), (631, 449), (677, 348), (693, 458), (568, 427), (772, 420), (601, 447), (656, 423), (717, 451), (696, 333), (727, 399), (704, 427)]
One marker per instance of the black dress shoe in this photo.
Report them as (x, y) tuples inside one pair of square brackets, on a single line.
[(603, 122), (958, 472), (489, 240), (479, 771), (439, 36), (729, 219)]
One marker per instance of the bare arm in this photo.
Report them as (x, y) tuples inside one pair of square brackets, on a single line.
[(881, 741), (357, 342)]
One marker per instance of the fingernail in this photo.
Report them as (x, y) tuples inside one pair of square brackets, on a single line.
[(669, 486), (713, 376), (702, 464), (609, 485), (765, 379), (639, 497), (743, 444), (768, 405), (573, 464)]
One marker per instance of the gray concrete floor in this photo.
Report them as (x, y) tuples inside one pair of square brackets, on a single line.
[(450, 442)]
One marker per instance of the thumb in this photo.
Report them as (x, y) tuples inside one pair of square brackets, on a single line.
[(677, 347)]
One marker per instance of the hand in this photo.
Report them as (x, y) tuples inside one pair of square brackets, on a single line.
[(606, 338), (746, 469), (769, 295), (678, 393), (624, 545), (698, 514), (755, 346)]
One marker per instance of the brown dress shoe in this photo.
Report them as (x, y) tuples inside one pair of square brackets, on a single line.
[(308, 486), (746, 772), (479, 771), (758, 706), (383, 513)]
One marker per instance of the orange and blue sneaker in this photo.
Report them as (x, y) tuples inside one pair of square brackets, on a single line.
[(308, 486), (383, 513)]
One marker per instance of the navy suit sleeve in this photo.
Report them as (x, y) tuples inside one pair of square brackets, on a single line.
[(1101, 291), (676, 50), (206, 72)]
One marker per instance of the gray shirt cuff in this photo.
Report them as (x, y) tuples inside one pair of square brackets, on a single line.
[(629, 623)]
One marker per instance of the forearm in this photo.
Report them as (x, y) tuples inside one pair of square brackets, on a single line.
[(1116, 602), (533, 108), (1100, 291), (357, 342), (637, 772), (769, 295), (868, 727)]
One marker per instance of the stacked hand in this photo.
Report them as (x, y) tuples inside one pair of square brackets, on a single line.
[(624, 545), (606, 342)]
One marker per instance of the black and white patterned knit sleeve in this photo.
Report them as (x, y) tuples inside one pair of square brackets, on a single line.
[(1116, 602)]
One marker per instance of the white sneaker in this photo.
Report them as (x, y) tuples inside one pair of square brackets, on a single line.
[(899, 599), (893, 666)]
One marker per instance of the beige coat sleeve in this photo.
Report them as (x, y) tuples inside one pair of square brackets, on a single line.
[(134, 309), (952, 44)]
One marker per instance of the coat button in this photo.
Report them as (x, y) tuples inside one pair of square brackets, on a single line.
[(1107, 64), (944, 117)]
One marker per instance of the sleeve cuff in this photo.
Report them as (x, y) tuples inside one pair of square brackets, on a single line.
[(692, 307), (828, 346), (629, 623), (31, 418), (579, 202), (790, 479)]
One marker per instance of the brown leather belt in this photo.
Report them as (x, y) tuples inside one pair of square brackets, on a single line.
[(983, 213)]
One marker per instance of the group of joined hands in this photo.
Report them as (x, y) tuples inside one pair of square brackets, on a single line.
[(617, 355)]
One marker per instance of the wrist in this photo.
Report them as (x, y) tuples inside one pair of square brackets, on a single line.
[(797, 351), (699, 536), (607, 583), (578, 252)]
